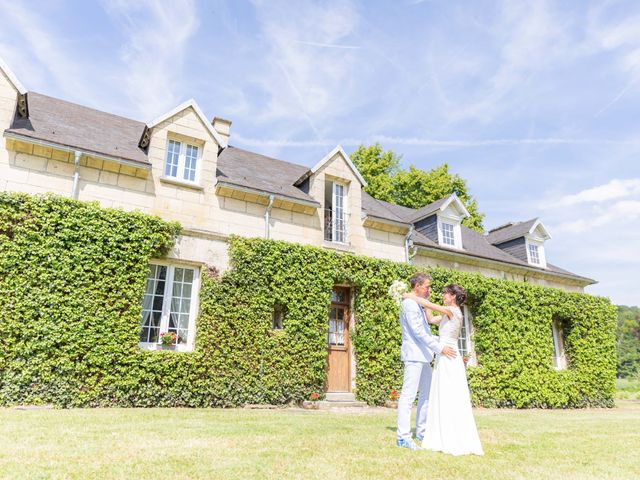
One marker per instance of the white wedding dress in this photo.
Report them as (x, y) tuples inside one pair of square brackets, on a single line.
[(450, 424)]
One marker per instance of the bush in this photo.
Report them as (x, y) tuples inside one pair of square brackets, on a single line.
[(72, 276)]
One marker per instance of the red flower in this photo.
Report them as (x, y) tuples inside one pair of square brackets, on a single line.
[(393, 396), (314, 396)]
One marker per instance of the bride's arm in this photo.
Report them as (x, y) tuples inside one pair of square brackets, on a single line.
[(423, 302), (431, 319)]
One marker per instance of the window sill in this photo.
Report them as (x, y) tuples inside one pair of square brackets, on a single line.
[(181, 183), (159, 346), (345, 247)]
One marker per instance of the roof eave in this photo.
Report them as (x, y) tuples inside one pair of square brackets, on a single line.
[(282, 196), (576, 279), (71, 148)]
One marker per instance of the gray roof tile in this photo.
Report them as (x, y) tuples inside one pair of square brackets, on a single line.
[(71, 125), (258, 172)]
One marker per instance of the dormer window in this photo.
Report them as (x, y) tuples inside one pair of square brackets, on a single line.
[(448, 235), (335, 212), (535, 251), (533, 254), (182, 161)]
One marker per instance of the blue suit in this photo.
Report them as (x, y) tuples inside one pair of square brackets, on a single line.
[(418, 346)]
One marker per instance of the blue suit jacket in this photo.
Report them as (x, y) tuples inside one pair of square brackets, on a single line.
[(418, 344)]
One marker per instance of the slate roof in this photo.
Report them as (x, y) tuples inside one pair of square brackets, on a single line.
[(75, 126), (258, 172), (510, 231), (373, 207), (71, 125)]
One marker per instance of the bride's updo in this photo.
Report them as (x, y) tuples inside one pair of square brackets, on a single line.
[(459, 292)]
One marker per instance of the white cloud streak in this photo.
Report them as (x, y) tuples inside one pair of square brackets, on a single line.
[(157, 38)]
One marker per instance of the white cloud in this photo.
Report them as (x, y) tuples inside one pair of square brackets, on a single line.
[(614, 189), (157, 38), (39, 41), (308, 62), (623, 214)]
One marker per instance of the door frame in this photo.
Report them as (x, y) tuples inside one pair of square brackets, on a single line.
[(351, 383)]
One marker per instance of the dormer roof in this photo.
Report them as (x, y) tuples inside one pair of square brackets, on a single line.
[(191, 103), (440, 206), (512, 230), (327, 158)]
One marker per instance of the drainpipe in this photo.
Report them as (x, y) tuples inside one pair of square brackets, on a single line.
[(76, 175), (267, 214), (408, 245)]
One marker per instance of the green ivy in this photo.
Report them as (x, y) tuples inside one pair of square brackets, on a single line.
[(72, 276)]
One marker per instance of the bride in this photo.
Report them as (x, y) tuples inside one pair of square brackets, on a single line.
[(450, 424)]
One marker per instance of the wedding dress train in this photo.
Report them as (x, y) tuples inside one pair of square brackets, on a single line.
[(451, 427)]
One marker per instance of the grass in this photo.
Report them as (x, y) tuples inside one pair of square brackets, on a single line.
[(293, 443), (628, 388)]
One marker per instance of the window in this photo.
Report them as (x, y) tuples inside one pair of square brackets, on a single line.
[(534, 257), (558, 333), (278, 316), (182, 161), (448, 235), (465, 345), (335, 212), (169, 305)]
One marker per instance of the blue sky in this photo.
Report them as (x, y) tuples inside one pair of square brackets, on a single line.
[(534, 103)]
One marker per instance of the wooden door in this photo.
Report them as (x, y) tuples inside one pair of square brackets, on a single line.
[(338, 345)]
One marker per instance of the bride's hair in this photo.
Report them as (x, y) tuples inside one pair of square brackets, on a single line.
[(458, 291)]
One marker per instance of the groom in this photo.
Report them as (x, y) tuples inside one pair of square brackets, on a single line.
[(417, 350)]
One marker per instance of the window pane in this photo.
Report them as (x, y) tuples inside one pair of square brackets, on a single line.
[(173, 155), (190, 161), (448, 237), (181, 303), (152, 304)]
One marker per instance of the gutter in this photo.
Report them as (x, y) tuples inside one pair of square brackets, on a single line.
[(395, 223), (287, 198), (76, 175), (87, 153), (584, 281), (267, 215), (409, 248)]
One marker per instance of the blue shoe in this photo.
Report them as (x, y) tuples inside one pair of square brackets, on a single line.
[(401, 442), (419, 438)]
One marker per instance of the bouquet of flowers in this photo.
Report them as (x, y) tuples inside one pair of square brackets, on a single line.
[(396, 290)]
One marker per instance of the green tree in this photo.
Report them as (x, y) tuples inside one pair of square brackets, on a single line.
[(413, 188), (628, 341)]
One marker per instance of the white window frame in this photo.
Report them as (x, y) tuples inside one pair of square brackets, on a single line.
[(539, 243), (182, 161), (166, 306), (467, 330), (457, 232), (344, 204), (335, 209), (559, 355)]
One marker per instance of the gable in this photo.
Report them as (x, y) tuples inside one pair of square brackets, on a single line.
[(187, 119), (338, 164)]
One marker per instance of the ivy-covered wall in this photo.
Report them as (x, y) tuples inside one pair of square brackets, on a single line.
[(72, 277)]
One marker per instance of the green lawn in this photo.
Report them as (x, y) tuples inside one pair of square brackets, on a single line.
[(293, 443)]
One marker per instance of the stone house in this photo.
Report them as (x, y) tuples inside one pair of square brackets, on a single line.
[(182, 167)]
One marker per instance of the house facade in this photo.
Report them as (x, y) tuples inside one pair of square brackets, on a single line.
[(183, 167)]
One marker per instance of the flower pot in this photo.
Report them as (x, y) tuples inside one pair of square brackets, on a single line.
[(309, 405), (167, 347), (391, 404)]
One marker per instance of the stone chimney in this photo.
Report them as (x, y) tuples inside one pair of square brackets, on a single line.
[(223, 128)]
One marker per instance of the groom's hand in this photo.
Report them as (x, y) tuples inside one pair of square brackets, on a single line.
[(448, 351)]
